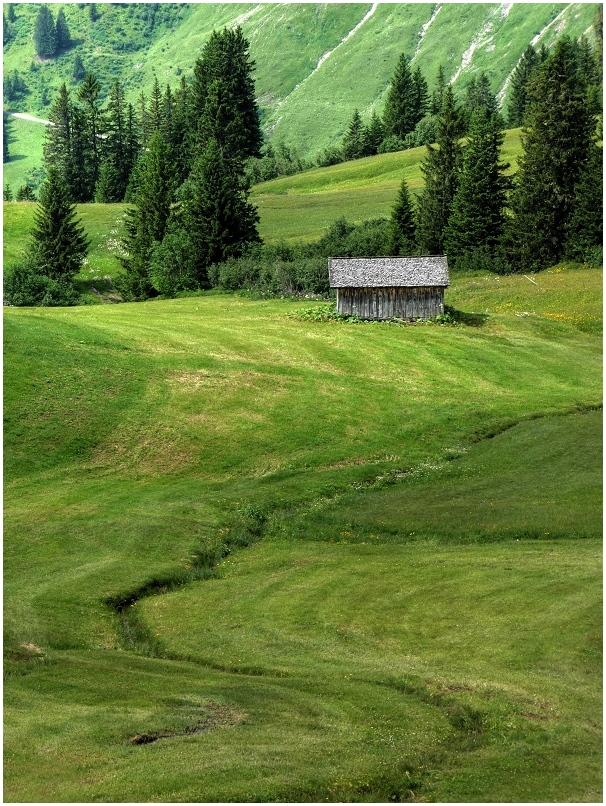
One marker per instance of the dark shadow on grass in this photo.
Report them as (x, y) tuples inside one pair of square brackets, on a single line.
[(464, 318)]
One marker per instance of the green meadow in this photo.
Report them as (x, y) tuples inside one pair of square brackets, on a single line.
[(255, 558)]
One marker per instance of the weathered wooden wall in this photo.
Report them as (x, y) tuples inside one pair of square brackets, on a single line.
[(390, 303)]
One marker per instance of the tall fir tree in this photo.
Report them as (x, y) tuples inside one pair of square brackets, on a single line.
[(586, 227), (58, 241), (45, 34), (222, 98), (88, 95), (402, 225), (437, 98), (441, 171), (220, 220), (64, 39), (477, 219), (146, 222), (522, 82), (117, 164), (399, 115), (374, 134), (58, 148), (353, 142), (556, 147), (420, 96)]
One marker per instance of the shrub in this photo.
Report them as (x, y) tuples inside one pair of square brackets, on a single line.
[(24, 286), (172, 266)]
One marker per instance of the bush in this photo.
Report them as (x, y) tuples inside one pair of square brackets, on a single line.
[(391, 143), (172, 266), (482, 259), (24, 286), (424, 133)]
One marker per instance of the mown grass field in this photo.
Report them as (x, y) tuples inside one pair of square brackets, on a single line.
[(417, 613)]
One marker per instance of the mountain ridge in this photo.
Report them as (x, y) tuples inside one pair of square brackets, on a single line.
[(315, 63)]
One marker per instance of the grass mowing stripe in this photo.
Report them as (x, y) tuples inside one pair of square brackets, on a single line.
[(226, 402)]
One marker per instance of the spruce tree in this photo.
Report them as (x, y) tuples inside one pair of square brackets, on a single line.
[(79, 71), (586, 228), (353, 142), (437, 98), (420, 96), (12, 16), (146, 222), (222, 98), (45, 34), (521, 86), (556, 147), (64, 39), (88, 95), (478, 208), (59, 243), (441, 171), (374, 134), (399, 115), (402, 226), (58, 147), (7, 194), (220, 220), (6, 134), (116, 166)]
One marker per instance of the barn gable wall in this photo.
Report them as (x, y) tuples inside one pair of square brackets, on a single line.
[(422, 302)]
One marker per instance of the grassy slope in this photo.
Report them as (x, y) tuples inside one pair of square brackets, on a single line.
[(136, 433), (306, 107), (297, 208)]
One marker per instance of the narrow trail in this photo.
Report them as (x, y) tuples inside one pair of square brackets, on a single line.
[(329, 53)]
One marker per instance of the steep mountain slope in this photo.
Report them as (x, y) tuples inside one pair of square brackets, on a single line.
[(315, 63)]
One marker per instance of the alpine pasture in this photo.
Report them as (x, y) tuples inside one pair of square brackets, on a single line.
[(250, 556)]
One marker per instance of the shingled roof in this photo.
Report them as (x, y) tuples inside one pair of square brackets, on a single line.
[(388, 272)]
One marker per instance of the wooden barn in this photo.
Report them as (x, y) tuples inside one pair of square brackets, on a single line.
[(408, 288)]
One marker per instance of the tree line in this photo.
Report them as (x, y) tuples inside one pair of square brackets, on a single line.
[(181, 157)]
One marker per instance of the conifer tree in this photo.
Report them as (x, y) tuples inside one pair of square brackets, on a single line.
[(88, 95), (115, 170), (556, 147), (441, 171), (399, 115), (58, 147), (374, 134), (521, 86), (437, 98), (7, 194), (59, 243), (146, 222), (222, 98), (220, 220), (478, 208), (353, 142), (586, 227), (12, 16), (402, 226), (6, 133), (64, 39), (79, 71), (45, 34), (420, 96)]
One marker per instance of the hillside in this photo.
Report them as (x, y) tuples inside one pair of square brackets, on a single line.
[(315, 63), (251, 557)]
